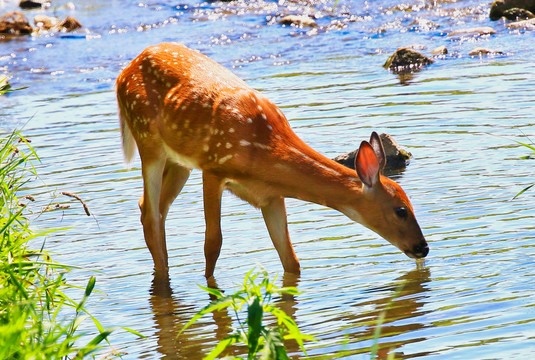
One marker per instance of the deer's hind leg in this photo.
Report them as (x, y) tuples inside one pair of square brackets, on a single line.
[(162, 182)]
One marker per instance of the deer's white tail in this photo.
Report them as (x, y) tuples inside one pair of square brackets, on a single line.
[(129, 144)]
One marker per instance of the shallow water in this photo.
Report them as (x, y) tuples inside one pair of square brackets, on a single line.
[(473, 296)]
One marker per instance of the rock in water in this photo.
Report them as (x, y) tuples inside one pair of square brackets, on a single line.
[(298, 21), (523, 25), (69, 24), (499, 7), (396, 157), (473, 32), (15, 23), (516, 14), (479, 51), (405, 59), (45, 22), (30, 4), (441, 50)]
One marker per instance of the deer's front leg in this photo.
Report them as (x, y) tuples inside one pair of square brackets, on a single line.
[(277, 225), (212, 191)]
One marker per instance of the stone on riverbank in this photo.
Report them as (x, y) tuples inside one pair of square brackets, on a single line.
[(499, 7), (405, 59), (396, 157)]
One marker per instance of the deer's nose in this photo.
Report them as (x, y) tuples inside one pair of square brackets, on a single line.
[(418, 251), (421, 250)]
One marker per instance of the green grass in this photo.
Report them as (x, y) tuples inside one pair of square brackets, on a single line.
[(252, 302), (37, 319), (532, 148)]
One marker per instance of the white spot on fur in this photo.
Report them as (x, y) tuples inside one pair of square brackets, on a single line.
[(225, 158), (318, 164), (261, 146)]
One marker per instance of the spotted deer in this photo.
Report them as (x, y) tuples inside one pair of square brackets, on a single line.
[(184, 111)]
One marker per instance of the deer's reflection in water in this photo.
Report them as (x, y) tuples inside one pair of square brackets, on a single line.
[(405, 299), (171, 312), (398, 312)]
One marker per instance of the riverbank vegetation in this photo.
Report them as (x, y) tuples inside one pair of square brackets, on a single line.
[(253, 302), (37, 319), (532, 148)]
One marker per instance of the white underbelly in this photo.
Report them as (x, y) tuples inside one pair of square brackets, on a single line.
[(256, 194), (180, 159)]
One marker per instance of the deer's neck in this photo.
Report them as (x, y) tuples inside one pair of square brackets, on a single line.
[(307, 175)]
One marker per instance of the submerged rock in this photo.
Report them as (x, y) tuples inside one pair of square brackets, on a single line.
[(441, 50), (45, 22), (524, 25), (423, 25), (49, 23), (417, 47), (499, 7), (478, 31), (396, 157), (405, 59), (15, 23), (479, 51), (298, 20)]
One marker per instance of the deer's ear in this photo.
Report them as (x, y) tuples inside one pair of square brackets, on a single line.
[(377, 145), (367, 165)]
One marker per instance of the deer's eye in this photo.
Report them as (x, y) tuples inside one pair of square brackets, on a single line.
[(401, 212)]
